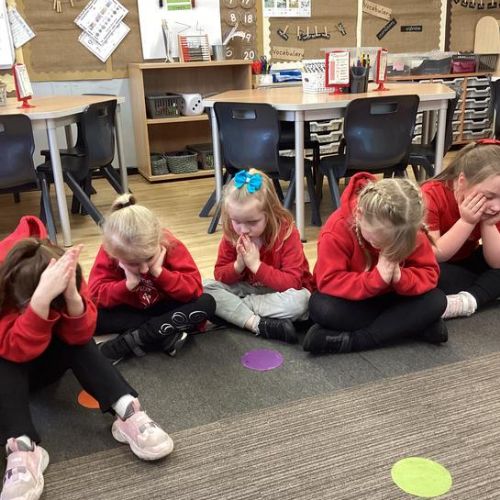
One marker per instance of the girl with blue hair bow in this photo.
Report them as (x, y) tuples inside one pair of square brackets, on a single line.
[(262, 279)]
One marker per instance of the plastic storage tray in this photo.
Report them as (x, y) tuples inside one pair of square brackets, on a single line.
[(325, 138), (472, 103), (478, 91), (476, 124), (327, 126), (470, 114)]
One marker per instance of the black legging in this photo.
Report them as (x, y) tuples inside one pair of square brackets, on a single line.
[(379, 320), (472, 275), (95, 373), (161, 319)]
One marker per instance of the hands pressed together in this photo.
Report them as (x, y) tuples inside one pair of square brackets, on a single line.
[(248, 255), (59, 278), (389, 270)]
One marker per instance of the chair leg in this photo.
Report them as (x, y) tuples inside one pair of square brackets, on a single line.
[(109, 172), (279, 191), (315, 215), (17, 197), (215, 219), (334, 188), (47, 215), (290, 193), (83, 198), (205, 211)]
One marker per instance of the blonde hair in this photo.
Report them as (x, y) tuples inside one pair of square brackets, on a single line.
[(277, 215), (130, 230), (398, 206), (476, 161)]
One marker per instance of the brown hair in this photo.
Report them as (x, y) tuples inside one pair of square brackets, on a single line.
[(277, 216), (476, 161), (21, 270), (397, 205), (131, 230)]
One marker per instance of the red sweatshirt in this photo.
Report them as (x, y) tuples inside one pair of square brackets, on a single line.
[(282, 267), (23, 334), (443, 212), (340, 268), (179, 280)]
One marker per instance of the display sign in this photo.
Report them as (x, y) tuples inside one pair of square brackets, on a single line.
[(337, 69)]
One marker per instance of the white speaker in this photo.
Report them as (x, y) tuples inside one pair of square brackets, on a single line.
[(191, 104)]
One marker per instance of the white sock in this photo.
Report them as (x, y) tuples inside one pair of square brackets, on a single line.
[(121, 405)]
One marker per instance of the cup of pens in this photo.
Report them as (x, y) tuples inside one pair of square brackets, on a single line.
[(359, 75)]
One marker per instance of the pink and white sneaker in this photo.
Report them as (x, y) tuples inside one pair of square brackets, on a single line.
[(146, 438), (23, 478)]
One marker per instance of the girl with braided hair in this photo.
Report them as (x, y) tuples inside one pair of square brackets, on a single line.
[(463, 210), (376, 272)]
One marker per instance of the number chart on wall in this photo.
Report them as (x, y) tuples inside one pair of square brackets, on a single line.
[(239, 28)]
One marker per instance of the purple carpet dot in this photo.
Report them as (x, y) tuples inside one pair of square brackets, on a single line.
[(262, 360)]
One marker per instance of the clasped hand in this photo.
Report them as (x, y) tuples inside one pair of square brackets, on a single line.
[(154, 266), (388, 270), (248, 255)]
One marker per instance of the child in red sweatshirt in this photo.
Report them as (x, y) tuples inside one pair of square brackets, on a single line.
[(145, 284), (376, 271), (262, 279), (46, 327)]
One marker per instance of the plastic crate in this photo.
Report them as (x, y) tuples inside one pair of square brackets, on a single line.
[(163, 106), (327, 126), (205, 154)]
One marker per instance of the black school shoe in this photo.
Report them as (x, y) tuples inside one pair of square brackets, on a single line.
[(278, 329), (437, 333), (319, 340), (130, 343)]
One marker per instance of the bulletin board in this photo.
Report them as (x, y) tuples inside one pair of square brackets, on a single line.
[(56, 54), (463, 22), (423, 13), (321, 17)]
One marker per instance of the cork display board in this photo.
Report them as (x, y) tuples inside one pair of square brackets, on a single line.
[(56, 54), (322, 18), (423, 14), (463, 22)]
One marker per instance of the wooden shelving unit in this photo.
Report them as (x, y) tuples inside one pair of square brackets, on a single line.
[(160, 135)]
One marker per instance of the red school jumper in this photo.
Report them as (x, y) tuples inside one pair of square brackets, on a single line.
[(282, 267), (23, 334), (443, 213), (341, 271), (179, 280)]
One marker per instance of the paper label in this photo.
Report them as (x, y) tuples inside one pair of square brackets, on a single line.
[(377, 10), (287, 53)]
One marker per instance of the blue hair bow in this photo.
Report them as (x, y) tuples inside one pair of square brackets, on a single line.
[(253, 182)]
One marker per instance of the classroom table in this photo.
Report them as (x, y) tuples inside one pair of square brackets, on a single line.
[(295, 105), (52, 112)]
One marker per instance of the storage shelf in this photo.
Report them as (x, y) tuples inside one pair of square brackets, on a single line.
[(178, 177), (177, 119)]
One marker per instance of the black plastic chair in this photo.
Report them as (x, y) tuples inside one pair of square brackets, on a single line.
[(97, 132), (18, 171), (249, 136), (495, 107), (422, 157), (377, 134)]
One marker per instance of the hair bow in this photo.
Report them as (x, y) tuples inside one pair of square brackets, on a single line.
[(253, 182), (488, 141)]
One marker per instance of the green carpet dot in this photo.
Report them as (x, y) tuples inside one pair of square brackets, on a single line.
[(421, 477)]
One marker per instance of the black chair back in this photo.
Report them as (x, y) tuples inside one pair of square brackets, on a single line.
[(16, 152), (495, 99), (378, 131), (452, 106), (249, 135), (97, 129)]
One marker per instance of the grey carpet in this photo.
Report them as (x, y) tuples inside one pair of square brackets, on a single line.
[(339, 446)]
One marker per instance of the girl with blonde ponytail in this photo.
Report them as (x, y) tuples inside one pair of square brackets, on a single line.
[(376, 272), (145, 284)]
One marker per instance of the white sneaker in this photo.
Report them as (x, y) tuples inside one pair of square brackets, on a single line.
[(460, 304), (146, 438), (23, 478)]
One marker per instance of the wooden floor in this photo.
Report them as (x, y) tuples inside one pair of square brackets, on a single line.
[(176, 203)]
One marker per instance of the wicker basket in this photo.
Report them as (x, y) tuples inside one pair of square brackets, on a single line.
[(158, 164), (205, 155), (163, 106), (182, 162)]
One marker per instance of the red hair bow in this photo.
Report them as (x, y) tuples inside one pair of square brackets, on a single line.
[(488, 141)]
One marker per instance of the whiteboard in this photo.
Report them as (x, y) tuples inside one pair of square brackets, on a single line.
[(7, 53), (205, 16)]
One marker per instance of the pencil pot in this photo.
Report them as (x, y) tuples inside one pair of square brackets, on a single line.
[(359, 80), (182, 162)]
